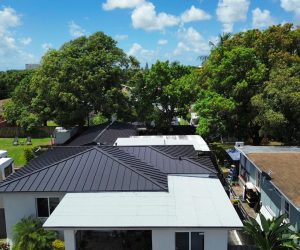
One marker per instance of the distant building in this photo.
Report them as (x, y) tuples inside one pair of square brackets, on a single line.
[(31, 66)]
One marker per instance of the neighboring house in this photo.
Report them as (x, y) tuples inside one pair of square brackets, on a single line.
[(274, 171), (166, 196), (103, 134)]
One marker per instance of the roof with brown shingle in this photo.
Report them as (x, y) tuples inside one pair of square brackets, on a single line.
[(285, 169)]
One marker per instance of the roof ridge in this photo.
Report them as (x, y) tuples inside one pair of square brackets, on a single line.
[(102, 131), (132, 168), (41, 169)]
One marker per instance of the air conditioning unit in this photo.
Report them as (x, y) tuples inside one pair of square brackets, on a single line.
[(239, 144)]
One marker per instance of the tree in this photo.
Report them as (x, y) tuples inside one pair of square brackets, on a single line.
[(245, 68), (84, 75), (10, 79), (164, 91), (29, 234), (278, 104), (18, 110), (272, 234), (81, 77)]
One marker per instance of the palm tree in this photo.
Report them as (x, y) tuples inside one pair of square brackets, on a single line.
[(273, 234), (28, 234)]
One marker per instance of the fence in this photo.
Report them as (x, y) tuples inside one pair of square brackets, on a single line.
[(41, 132)]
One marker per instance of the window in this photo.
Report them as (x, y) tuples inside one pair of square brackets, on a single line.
[(287, 209), (189, 241), (182, 241), (45, 206), (7, 171), (258, 179), (197, 241)]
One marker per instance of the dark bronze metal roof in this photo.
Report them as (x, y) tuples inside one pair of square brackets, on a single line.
[(104, 134), (105, 168)]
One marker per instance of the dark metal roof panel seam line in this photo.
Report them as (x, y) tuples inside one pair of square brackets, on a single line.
[(41, 169), (102, 132), (131, 168), (87, 175), (199, 164)]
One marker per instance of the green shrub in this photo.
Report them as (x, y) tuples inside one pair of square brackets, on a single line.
[(28, 154), (30, 235), (58, 245)]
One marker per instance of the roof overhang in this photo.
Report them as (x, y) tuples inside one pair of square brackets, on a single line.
[(192, 202)]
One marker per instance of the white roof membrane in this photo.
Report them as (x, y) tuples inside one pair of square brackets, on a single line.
[(190, 202)]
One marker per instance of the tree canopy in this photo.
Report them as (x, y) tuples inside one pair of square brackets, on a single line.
[(164, 91), (255, 74), (84, 75)]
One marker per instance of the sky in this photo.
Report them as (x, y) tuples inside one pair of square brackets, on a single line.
[(147, 29)]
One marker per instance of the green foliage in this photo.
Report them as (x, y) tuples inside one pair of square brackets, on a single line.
[(10, 79), (272, 234), (256, 73), (214, 111), (164, 91), (28, 155), (98, 119), (28, 234), (18, 111), (58, 245), (84, 75)]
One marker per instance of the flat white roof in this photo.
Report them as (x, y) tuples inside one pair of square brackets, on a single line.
[(196, 140), (191, 202), (247, 149)]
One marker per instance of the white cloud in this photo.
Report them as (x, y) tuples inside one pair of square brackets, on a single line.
[(292, 6), (121, 37), (11, 55), (143, 55), (162, 42), (145, 17), (75, 30), (232, 11), (25, 40), (47, 46), (194, 14), (121, 4), (191, 41), (9, 18), (261, 19)]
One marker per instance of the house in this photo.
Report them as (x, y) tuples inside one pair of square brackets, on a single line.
[(6, 168), (165, 197), (273, 172), (103, 134)]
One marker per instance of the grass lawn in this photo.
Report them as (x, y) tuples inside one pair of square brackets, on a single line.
[(17, 152)]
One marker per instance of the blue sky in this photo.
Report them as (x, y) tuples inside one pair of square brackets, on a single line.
[(148, 29)]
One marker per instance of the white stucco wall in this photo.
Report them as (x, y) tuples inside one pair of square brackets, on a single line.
[(214, 239), (18, 206)]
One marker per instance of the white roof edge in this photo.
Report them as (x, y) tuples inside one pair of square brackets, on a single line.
[(196, 140), (192, 202)]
